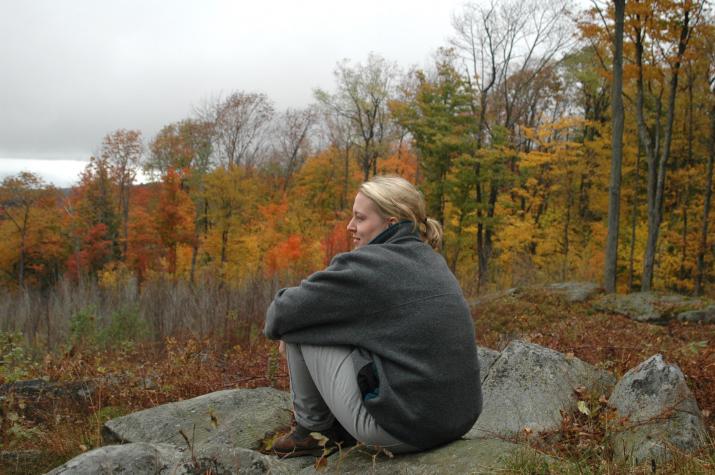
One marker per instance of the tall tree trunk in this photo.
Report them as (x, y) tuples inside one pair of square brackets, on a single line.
[(195, 247), (206, 217), (684, 240), (682, 272), (706, 207), (489, 228), (457, 247), (567, 225), (634, 220), (655, 212), (21, 264), (614, 195), (366, 164), (224, 244), (194, 255), (125, 224), (480, 229), (346, 179)]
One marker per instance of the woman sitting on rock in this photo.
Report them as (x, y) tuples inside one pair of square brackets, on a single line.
[(380, 343)]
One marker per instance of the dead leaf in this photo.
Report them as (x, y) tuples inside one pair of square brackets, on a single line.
[(322, 440), (582, 408), (214, 419), (320, 463)]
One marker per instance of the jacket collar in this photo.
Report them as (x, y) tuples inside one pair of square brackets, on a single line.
[(397, 231)]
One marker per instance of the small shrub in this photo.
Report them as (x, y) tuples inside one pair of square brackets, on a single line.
[(125, 325), (273, 365), (14, 357), (83, 328)]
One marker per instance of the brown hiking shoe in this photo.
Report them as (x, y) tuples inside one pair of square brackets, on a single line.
[(299, 442)]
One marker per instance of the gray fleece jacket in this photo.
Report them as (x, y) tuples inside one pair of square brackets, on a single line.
[(398, 303)]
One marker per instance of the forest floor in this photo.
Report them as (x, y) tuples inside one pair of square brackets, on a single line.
[(41, 433)]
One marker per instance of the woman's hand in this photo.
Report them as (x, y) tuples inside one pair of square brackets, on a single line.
[(282, 348)]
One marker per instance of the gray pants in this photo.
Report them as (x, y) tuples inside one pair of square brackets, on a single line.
[(324, 388)]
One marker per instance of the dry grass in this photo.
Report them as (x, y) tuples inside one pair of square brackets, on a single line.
[(126, 380), (611, 342), (130, 376)]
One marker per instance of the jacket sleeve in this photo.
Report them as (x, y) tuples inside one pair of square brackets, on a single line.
[(327, 297)]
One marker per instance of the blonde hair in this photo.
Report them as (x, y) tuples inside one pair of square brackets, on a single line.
[(396, 197)]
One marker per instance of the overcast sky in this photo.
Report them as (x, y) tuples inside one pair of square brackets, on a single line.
[(72, 71)]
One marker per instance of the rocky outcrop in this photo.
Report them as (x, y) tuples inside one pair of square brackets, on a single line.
[(704, 315), (573, 292), (141, 458), (487, 358), (480, 456), (660, 413), (35, 389), (527, 388), (41, 397), (648, 307), (230, 418)]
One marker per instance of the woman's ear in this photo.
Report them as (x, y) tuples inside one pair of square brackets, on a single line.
[(392, 220)]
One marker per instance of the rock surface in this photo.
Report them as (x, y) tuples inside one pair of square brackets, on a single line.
[(38, 388), (528, 386), (525, 385), (40, 397), (705, 315), (647, 307), (138, 458), (573, 292), (462, 456), (660, 410), (487, 358), (142, 458), (230, 418)]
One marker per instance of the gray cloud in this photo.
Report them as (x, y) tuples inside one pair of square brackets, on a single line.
[(73, 71)]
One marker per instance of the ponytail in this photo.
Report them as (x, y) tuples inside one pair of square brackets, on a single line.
[(432, 233)]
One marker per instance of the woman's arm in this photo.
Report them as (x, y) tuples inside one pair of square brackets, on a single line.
[(329, 296)]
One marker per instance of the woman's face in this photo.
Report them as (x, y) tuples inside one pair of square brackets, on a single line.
[(366, 222)]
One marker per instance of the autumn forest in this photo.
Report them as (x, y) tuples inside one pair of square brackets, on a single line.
[(508, 134), (512, 132)]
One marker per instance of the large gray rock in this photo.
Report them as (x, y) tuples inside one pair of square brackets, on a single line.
[(528, 387), (139, 458), (487, 358), (148, 459), (490, 297), (574, 292), (462, 456), (660, 410), (525, 385), (571, 292), (647, 307), (704, 315), (230, 418)]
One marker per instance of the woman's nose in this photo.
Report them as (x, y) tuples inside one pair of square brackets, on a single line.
[(350, 225)]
